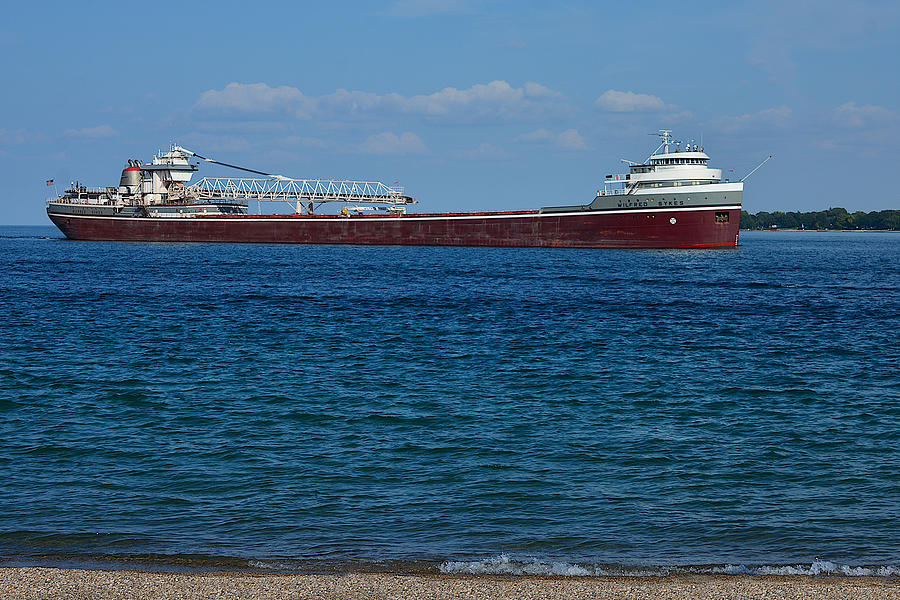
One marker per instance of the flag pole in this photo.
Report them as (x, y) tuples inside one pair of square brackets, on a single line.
[(52, 182)]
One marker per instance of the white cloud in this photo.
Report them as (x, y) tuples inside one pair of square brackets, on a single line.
[(770, 118), (494, 100), (536, 90), (257, 98), (569, 139), (391, 143), (343, 104), (101, 131), (851, 115), (616, 101)]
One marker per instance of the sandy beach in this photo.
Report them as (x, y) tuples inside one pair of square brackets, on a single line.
[(49, 583)]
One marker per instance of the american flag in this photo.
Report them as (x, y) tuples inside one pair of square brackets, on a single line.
[(49, 182)]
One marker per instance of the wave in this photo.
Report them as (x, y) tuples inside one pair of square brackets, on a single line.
[(818, 567), (504, 565), (272, 565)]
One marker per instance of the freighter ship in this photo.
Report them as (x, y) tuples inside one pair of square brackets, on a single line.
[(671, 200)]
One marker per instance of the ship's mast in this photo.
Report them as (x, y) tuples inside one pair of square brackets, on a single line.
[(666, 135)]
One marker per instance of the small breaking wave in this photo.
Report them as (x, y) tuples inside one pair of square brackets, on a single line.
[(273, 565), (505, 565), (818, 567)]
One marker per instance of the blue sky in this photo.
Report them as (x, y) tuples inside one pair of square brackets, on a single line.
[(468, 104)]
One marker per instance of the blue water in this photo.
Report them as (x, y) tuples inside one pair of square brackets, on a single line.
[(479, 409)]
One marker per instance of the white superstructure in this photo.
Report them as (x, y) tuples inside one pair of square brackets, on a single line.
[(671, 169), (165, 176)]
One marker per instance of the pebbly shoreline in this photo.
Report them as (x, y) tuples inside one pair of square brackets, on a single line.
[(33, 583)]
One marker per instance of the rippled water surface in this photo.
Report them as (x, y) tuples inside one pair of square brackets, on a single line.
[(465, 405)]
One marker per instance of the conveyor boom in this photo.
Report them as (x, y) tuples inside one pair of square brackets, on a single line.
[(285, 189)]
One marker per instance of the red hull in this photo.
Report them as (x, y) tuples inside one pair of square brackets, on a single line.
[(693, 228)]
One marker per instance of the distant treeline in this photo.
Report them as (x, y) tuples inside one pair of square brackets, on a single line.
[(833, 218)]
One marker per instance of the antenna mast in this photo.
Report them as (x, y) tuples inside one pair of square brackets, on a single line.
[(666, 135), (757, 167)]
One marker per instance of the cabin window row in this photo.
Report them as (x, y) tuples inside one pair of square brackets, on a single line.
[(675, 183), (679, 161)]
